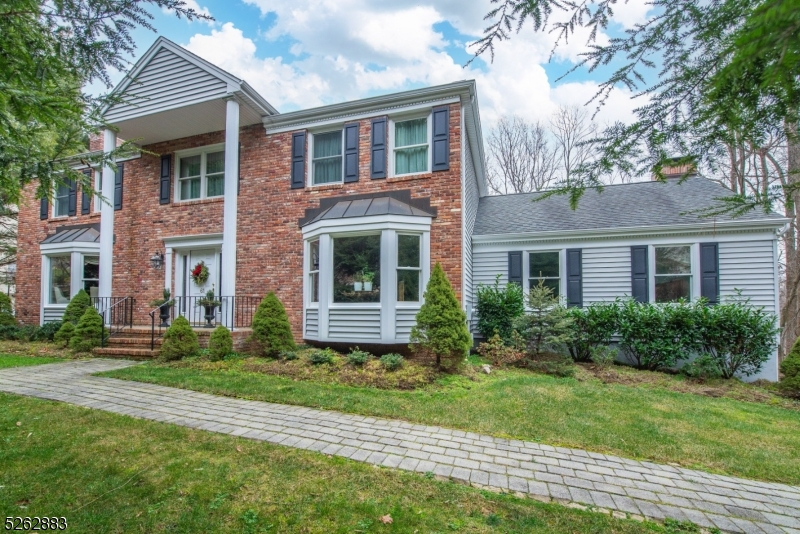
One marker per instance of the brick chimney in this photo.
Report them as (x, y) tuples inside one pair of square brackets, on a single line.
[(674, 169)]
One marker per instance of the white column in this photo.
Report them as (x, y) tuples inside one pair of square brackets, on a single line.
[(168, 270), (228, 283), (325, 283), (388, 286), (107, 220)]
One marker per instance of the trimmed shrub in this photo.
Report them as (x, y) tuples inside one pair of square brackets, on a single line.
[(392, 361), (320, 357), (499, 353), (8, 332), (548, 326), (358, 357), (220, 344), (790, 367), (64, 334), (47, 331), (77, 307), (271, 328), (592, 328), (88, 332), (180, 341), (441, 327), (497, 308)]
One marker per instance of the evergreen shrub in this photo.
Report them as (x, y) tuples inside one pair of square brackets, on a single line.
[(77, 307), (592, 328), (180, 341), (88, 332), (392, 361), (790, 367), (64, 334), (358, 357), (220, 344), (497, 307), (547, 326), (271, 328)]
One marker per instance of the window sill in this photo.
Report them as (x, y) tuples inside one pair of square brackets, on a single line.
[(323, 187), (197, 201), (410, 177)]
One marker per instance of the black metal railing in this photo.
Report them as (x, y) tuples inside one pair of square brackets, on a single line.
[(117, 314), (232, 312)]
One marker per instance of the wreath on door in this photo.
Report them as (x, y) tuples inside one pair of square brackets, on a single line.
[(200, 274)]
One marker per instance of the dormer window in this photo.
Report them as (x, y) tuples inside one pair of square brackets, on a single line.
[(326, 158)]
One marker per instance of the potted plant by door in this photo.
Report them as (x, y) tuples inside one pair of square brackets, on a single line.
[(209, 302), (357, 281), (163, 305), (368, 277)]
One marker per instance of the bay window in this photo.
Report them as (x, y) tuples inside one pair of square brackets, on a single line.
[(673, 273), (60, 279), (90, 280), (409, 268), (545, 267), (326, 158), (356, 269), (411, 146), (201, 174), (313, 270)]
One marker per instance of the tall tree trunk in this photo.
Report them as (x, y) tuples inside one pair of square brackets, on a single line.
[(790, 312)]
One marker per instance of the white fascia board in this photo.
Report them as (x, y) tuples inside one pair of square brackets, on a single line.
[(351, 225), (69, 247), (767, 225), (474, 135), (193, 241)]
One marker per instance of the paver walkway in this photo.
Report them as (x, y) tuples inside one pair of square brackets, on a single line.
[(565, 475)]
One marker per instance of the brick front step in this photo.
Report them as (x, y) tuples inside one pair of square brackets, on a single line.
[(129, 353)]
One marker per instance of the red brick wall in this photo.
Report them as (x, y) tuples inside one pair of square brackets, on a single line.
[(269, 248)]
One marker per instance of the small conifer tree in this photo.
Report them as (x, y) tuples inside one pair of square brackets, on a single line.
[(548, 325), (64, 334), (790, 367), (271, 328), (76, 307), (441, 328), (180, 341), (6, 311), (220, 344), (88, 332)]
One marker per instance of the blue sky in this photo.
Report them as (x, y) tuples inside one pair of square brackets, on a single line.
[(306, 53)]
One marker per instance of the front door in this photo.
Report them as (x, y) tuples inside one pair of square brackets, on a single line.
[(209, 257)]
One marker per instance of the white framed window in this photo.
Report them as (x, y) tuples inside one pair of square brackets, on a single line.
[(410, 139), (673, 273), (61, 200), (313, 271), (545, 266), (357, 269), (90, 275), (60, 279), (409, 267), (200, 173), (327, 163)]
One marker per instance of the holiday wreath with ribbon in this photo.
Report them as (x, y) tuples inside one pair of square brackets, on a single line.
[(200, 273)]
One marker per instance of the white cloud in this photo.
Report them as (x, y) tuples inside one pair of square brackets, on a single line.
[(631, 12), (202, 10)]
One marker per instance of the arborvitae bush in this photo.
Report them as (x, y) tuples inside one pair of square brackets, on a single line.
[(441, 328), (76, 307), (790, 367), (64, 334), (271, 328), (180, 340), (88, 332), (220, 344)]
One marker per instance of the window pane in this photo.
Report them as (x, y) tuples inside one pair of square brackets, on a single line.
[(314, 266), (91, 267), (190, 188), (414, 132), (553, 283), (327, 145), (407, 286), (410, 160), (215, 162), (328, 171), (355, 260), (190, 166), (215, 185), (61, 207), (672, 288), (673, 260), (60, 269), (408, 251), (314, 287), (543, 264)]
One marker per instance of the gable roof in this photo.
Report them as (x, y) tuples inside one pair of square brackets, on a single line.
[(637, 205)]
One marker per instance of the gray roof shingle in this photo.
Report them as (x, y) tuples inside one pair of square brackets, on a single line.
[(618, 206)]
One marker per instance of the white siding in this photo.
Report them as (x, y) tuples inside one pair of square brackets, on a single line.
[(488, 264), (52, 314), (470, 210), (406, 318), (166, 82), (354, 324), (312, 323), (750, 267), (606, 273)]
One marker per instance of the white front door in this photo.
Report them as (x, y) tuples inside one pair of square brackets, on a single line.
[(211, 258)]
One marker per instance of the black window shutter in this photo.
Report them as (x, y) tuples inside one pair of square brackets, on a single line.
[(709, 272), (441, 138), (118, 186), (351, 152), (72, 206), (85, 197), (639, 274), (378, 149), (574, 278), (298, 160), (44, 208), (165, 182), (515, 267)]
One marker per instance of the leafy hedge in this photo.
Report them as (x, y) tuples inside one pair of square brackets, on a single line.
[(29, 332), (497, 308)]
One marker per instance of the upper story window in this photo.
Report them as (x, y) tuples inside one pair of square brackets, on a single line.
[(201, 174), (326, 158), (61, 201), (673, 274), (545, 267), (411, 146)]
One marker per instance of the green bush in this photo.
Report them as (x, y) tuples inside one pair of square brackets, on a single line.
[(220, 344), (271, 328), (441, 327), (8, 332), (47, 331), (88, 332), (358, 357), (704, 367), (64, 334), (180, 341), (604, 356), (320, 357), (287, 355), (592, 327), (497, 352), (497, 307), (6, 319), (77, 307), (392, 361), (790, 367), (5, 304), (547, 326)]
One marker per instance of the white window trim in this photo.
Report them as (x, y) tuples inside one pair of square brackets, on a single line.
[(82, 279), (307, 270), (562, 269), (310, 156), (55, 203), (398, 267), (394, 120), (76, 251), (694, 258), (203, 152)]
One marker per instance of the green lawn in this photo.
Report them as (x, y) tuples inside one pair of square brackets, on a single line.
[(110, 473), (722, 435), (9, 360)]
